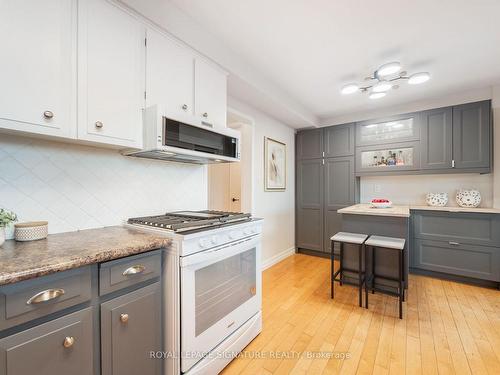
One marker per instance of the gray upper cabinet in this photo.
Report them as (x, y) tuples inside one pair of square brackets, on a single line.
[(472, 135), (130, 329), (436, 138), (339, 140), (61, 346), (403, 156), (309, 144), (394, 129), (310, 204)]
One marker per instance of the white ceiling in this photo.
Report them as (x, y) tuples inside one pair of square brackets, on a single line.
[(310, 48)]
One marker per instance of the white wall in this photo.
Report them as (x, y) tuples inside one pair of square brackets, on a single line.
[(276, 208), (77, 187), (412, 189)]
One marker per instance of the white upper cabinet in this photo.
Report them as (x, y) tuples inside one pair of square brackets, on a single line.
[(38, 66), (210, 94), (111, 84), (169, 77)]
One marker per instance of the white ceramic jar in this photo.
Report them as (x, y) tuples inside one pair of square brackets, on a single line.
[(437, 199), (468, 198)]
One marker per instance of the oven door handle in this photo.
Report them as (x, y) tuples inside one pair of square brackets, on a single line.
[(213, 255)]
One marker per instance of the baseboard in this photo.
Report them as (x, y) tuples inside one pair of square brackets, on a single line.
[(277, 258)]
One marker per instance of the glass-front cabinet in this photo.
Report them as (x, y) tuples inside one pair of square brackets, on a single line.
[(388, 157), (399, 128)]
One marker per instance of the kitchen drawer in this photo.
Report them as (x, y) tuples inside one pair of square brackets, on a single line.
[(461, 227), (121, 273), (480, 262), (63, 289), (61, 346)]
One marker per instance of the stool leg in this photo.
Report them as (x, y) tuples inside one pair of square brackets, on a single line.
[(332, 286), (366, 268), (373, 269), (401, 285), (404, 279), (341, 273), (360, 280)]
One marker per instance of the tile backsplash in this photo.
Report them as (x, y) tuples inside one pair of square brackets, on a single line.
[(413, 189), (77, 187)]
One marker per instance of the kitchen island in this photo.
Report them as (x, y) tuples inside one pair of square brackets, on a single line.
[(389, 222)]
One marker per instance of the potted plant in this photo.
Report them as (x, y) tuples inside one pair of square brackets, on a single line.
[(6, 217)]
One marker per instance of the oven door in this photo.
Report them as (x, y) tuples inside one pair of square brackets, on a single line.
[(220, 290)]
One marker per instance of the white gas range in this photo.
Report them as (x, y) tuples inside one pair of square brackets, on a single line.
[(212, 287)]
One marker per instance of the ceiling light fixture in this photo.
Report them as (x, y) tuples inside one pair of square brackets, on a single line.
[(349, 89), (418, 78), (377, 95), (383, 80), (388, 69)]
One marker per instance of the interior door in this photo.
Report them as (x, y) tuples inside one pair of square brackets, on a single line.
[(224, 187), (111, 85), (220, 290), (38, 73), (235, 186)]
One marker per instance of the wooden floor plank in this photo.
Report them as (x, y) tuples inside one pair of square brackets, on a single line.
[(448, 327)]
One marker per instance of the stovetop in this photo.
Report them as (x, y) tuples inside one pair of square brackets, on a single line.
[(191, 221)]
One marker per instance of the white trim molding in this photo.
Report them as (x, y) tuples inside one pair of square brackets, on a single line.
[(266, 263)]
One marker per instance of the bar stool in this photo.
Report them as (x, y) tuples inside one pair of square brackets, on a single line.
[(353, 239), (390, 243)]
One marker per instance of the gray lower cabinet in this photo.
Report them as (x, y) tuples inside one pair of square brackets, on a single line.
[(310, 204), (437, 139), (461, 244), (61, 346), (480, 262), (130, 330), (472, 135)]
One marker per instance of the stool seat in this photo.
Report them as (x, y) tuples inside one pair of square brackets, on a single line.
[(386, 242), (354, 238)]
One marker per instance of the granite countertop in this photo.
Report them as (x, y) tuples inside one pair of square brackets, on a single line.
[(404, 210), (366, 209), (59, 252)]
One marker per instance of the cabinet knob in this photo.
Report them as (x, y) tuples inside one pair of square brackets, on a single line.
[(48, 114), (68, 341), (124, 318), (184, 107), (99, 124), (205, 115)]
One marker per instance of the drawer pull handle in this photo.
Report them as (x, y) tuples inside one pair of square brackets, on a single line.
[(45, 296), (452, 243), (134, 270), (124, 318), (68, 342)]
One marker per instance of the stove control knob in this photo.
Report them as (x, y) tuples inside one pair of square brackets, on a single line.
[(254, 230), (215, 240), (232, 235), (247, 231), (203, 242)]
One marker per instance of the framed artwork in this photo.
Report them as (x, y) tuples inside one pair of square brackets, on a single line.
[(275, 165)]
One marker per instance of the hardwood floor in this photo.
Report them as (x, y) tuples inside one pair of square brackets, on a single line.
[(448, 328)]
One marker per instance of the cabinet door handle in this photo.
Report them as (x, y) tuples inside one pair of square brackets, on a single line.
[(68, 342), (134, 270), (124, 318), (99, 124), (48, 114), (453, 243), (205, 115), (45, 296), (185, 107)]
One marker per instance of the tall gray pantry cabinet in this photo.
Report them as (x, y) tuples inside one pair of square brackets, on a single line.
[(325, 183)]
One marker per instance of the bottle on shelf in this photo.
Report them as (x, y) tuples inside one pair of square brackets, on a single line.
[(390, 159), (400, 159), (375, 161)]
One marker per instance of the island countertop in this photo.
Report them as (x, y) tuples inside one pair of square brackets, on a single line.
[(366, 209), (59, 252)]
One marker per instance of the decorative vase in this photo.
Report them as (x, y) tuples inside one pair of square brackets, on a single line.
[(2, 236), (437, 199), (468, 198)]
